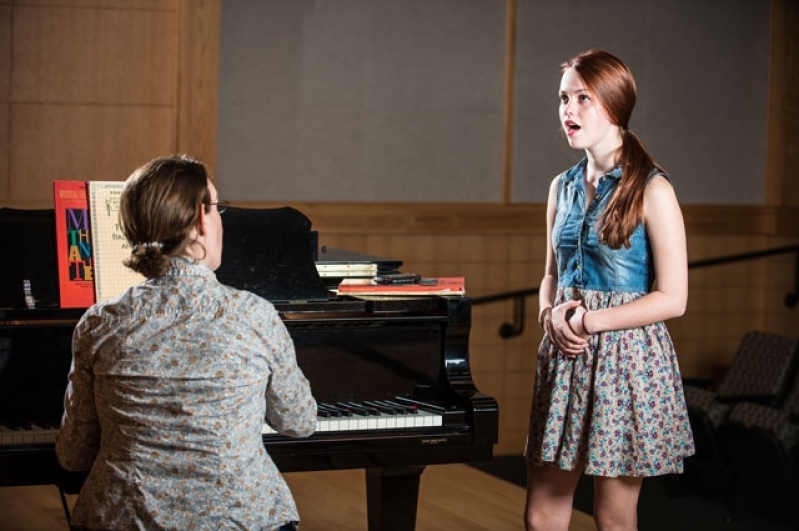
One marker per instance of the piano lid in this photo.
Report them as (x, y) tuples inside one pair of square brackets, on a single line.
[(271, 252)]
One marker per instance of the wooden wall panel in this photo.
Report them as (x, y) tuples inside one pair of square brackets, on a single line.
[(105, 56), (5, 149), (92, 92), (82, 142), (5, 53), (198, 78), (5, 96), (104, 4), (782, 155)]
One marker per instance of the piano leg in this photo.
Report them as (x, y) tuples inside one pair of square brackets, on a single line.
[(391, 497)]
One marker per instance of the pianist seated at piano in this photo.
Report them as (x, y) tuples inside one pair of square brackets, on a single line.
[(171, 381)]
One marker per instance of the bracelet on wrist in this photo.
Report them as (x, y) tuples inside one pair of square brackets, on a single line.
[(582, 320), (542, 319)]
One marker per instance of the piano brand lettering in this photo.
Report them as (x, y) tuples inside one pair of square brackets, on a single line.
[(79, 248), (435, 441)]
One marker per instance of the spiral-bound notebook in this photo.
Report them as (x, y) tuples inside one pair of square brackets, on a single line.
[(111, 276)]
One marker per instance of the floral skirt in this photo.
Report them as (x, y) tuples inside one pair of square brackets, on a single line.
[(618, 409)]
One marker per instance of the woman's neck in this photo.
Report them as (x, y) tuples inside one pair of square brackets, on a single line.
[(194, 251), (601, 160)]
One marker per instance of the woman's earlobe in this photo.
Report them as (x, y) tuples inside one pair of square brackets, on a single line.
[(202, 219)]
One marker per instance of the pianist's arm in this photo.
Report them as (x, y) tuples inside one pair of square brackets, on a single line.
[(78, 439), (290, 406)]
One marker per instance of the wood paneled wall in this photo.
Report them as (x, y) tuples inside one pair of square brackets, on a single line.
[(90, 89), (782, 153)]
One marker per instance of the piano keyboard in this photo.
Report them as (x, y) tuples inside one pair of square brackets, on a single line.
[(339, 417), (369, 415), (27, 434)]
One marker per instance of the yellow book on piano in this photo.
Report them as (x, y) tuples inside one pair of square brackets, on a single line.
[(111, 248), (346, 270)]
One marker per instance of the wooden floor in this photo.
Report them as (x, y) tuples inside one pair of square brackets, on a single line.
[(451, 497)]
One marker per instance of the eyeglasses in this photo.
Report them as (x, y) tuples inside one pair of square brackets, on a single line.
[(221, 205)]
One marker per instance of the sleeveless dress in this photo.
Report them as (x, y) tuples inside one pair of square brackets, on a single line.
[(619, 409)]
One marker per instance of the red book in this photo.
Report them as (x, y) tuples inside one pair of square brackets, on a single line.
[(73, 244), (426, 286)]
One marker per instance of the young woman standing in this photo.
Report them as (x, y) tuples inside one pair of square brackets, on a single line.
[(608, 400)]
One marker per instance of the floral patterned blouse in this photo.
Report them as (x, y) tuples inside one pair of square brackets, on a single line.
[(168, 391)]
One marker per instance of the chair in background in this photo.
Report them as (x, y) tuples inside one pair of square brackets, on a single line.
[(762, 371), (763, 450)]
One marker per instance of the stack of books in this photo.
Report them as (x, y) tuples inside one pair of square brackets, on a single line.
[(334, 265), (425, 286)]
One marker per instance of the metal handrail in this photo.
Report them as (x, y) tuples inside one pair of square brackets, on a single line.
[(508, 330)]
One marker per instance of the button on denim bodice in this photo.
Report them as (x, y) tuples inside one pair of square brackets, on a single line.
[(584, 261)]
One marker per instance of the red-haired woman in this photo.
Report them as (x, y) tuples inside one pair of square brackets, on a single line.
[(608, 400)]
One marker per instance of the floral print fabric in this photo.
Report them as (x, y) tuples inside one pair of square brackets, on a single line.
[(618, 409), (169, 388)]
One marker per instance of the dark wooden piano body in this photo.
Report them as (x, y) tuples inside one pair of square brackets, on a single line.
[(350, 349)]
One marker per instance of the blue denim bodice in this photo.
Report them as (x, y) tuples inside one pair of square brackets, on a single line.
[(583, 260)]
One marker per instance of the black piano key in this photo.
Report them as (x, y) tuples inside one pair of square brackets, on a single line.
[(330, 410), (410, 409), (370, 410), (342, 410), (382, 408), (427, 406), (405, 409), (358, 409)]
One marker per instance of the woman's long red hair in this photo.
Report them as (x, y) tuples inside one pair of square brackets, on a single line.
[(612, 83)]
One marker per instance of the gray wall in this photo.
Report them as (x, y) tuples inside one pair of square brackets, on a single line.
[(371, 100)]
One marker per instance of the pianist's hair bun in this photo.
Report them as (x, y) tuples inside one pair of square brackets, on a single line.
[(148, 259)]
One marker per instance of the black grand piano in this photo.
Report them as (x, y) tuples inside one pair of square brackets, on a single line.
[(400, 364)]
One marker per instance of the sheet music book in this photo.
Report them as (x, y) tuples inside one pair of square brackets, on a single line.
[(339, 270), (336, 264), (111, 276), (428, 286), (75, 258)]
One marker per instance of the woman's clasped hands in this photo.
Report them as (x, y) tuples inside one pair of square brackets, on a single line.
[(564, 325)]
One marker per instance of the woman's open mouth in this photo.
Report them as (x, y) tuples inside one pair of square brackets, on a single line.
[(570, 127)]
